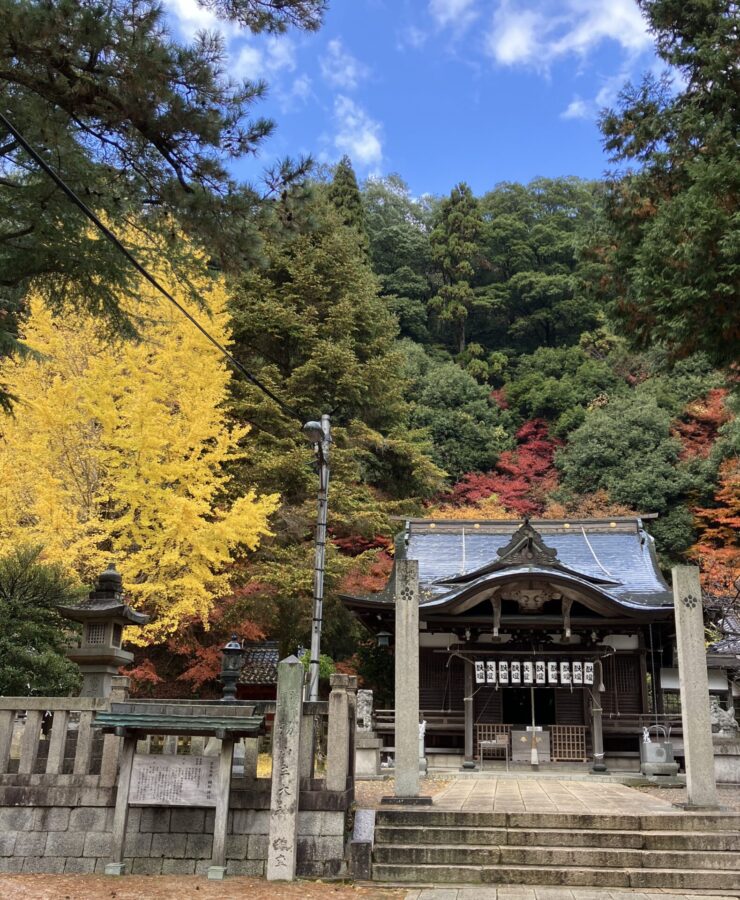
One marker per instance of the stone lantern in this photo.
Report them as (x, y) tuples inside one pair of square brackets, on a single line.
[(103, 615)]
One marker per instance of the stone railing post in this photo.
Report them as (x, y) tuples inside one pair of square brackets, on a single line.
[(338, 739), (286, 740), (111, 743), (352, 725)]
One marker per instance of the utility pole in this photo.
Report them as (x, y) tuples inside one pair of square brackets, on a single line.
[(319, 433)]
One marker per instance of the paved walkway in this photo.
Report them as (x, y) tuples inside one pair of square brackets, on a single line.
[(546, 796), (553, 893)]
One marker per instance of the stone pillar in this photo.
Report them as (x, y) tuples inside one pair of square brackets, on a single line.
[(338, 738), (251, 757), (217, 869), (112, 744), (597, 733), (117, 866), (694, 685), (468, 700), (286, 739), (308, 745), (407, 678), (352, 713)]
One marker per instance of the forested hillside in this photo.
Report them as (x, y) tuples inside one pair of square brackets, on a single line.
[(475, 367), (563, 348)]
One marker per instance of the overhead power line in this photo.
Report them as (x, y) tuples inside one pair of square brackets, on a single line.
[(59, 181)]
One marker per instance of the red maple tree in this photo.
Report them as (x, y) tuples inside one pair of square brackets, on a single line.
[(523, 477), (699, 423), (718, 551)]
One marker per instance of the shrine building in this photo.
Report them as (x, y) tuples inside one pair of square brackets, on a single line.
[(563, 626)]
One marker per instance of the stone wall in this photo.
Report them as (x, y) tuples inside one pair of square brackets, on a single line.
[(160, 841)]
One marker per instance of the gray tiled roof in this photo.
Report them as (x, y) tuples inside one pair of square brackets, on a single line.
[(621, 557), (260, 663)]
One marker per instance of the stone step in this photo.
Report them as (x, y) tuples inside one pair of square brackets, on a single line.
[(571, 876), (678, 821), (559, 837), (413, 856)]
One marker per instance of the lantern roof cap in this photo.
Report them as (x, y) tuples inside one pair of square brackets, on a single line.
[(105, 602)]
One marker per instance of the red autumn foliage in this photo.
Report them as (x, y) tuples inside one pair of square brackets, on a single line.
[(348, 666), (698, 424), (193, 654), (368, 579), (717, 551), (523, 477), (499, 398), (143, 677), (355, 544)]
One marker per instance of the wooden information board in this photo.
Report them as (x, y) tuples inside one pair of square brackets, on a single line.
[(174, 780)]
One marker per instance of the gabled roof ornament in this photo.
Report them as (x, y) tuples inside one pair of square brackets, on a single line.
[(527, 548)]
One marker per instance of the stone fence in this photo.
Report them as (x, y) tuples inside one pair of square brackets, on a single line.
[(59, 779)]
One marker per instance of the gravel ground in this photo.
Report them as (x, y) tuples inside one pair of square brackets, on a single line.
[(368, 794), (729, 795), (170, 887)]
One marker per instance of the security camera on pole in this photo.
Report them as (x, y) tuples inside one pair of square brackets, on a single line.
[(319, 434)]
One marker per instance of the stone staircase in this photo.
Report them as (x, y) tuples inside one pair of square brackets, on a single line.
[(675, 850)]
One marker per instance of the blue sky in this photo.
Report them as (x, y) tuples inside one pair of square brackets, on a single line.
[(442, 91)]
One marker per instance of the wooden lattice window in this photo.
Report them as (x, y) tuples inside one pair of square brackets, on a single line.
[(95, 633), (625, 674), (568, 743), (488, 732)]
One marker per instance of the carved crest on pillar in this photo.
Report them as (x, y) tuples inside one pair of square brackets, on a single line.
[(527, 548)]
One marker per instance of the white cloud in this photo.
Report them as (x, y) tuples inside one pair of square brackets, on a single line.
[(537, 32), (276, 55), (248, 63), (340, 69), (281, 54), (358, 135), (301, 88), (299, 92), (577, 109), (191, 17), (456, 13), (411, 37), (514, 38)]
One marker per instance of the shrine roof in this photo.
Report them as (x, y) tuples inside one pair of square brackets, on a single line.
[(260, 663), (614, 558)]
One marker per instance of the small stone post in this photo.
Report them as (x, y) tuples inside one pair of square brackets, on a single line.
[(407, 678), (282, 841), (597, 733), (251, 757), (468, 700), (338, 738), (217, 869), (111, 742), (117, 866), (694, 685)]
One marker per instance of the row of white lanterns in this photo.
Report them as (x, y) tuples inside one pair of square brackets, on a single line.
[(533, 672)]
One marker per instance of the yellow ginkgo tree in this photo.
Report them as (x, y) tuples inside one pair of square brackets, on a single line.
[(119, 449)]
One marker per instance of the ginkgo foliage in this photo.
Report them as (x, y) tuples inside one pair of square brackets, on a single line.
[(118, 450)]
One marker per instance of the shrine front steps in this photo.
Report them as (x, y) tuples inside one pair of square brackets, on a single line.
[(653, 851)]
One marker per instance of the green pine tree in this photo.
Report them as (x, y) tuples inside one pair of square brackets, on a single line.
[(143, 128), (455, 250), (672, 242), (345, 196)]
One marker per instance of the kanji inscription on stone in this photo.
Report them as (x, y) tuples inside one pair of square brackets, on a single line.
[(174, 780)]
